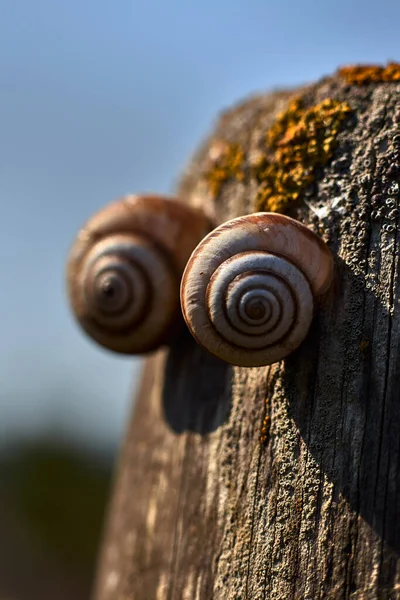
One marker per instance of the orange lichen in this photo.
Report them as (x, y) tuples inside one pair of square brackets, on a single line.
[(363, 74), (228, 164), (301, 140), (298, 143), (266, 424)]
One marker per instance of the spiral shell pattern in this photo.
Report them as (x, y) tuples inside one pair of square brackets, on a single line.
[(125, 268), (248, 290)]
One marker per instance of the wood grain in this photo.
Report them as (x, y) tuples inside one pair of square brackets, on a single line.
[(202, 509)]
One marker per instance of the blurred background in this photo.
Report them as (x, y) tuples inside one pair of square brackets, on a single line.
[(100, 98)]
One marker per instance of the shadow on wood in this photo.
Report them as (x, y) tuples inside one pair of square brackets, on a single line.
[(198, 404)]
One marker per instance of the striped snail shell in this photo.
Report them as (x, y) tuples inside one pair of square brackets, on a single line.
[(248, 290), (125, 267)]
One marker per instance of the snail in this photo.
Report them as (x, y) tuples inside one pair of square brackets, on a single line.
[(248, 291), (125, 267)]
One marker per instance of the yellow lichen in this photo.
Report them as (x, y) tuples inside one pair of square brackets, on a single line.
[(228, 161), (298, 143), (363, 74), (266, 425), (301, 140)]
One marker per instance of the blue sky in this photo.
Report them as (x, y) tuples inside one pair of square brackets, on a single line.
[(102, 98)]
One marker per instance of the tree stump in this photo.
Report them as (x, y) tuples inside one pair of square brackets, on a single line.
[(280, 482)]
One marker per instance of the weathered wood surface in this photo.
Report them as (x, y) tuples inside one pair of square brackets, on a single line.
[(202, 510)]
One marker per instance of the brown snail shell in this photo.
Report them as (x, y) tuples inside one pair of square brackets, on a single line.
[(248, 290), (125, 267)]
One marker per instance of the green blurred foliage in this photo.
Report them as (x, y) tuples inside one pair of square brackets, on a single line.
[(61, 491)]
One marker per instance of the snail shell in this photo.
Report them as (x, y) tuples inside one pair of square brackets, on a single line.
[(125, 267), (248, 290)]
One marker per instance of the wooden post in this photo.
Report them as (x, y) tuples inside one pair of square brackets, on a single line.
[(280, 482)]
